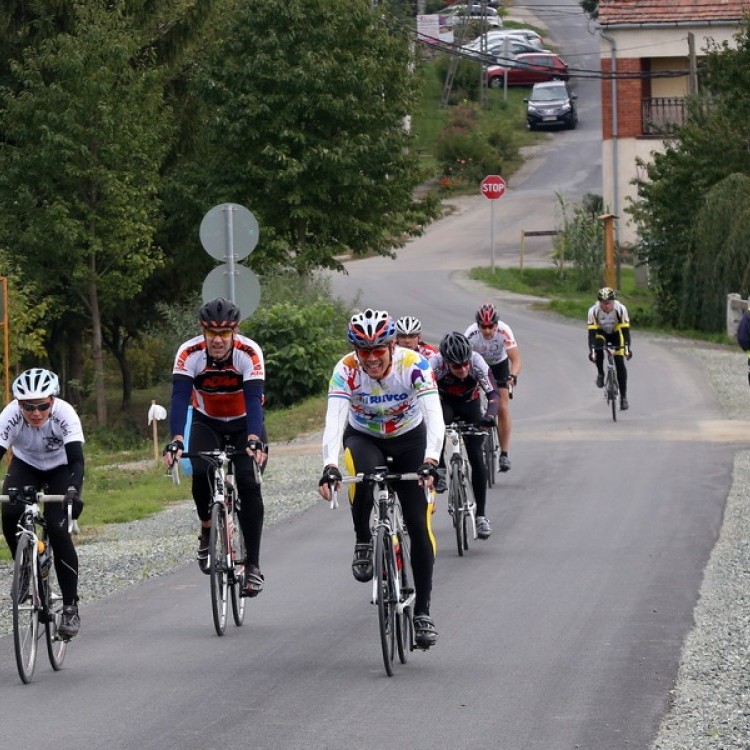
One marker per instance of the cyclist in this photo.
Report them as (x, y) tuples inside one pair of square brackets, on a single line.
[(608, 320), (460, 374), (223, 373), (383, 404), (493, 339), (409, 334), (46, 436)]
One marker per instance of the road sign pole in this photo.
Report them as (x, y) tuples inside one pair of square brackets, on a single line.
[(229, 209), (492, 232)]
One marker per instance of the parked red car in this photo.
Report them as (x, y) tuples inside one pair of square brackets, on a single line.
[(527, 69)]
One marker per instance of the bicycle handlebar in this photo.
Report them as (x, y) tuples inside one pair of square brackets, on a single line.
[(28, 498), (466, 428), (372, 478)]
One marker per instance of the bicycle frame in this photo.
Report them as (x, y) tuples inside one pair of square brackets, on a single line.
[(228, 568), (40, 603), (460, 471)]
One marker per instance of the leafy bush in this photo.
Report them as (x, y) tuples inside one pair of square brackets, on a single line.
[(302, 334), (581, 242), (463, 151)]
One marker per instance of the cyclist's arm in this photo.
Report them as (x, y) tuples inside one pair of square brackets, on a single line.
[(182, 390), (336, 414), (515, 361), (432, 412), (74, 454), (253, 391)]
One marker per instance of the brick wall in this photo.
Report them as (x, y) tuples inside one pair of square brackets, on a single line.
[(630, 92)]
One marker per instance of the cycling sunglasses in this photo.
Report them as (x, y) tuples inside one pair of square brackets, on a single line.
[(36, 407), (375, 351)]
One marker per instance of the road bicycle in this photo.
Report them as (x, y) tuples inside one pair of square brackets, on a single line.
[(611, 386), (35, 593), (226, 553), (461, 503), (393, 582)]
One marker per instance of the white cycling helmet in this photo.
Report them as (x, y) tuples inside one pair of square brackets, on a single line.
[(408, 325), (371, 328), (35, 383)]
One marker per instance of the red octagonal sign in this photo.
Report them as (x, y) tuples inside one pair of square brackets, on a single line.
[(493, 187)]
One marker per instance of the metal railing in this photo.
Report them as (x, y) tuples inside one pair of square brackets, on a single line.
[(663, 115)]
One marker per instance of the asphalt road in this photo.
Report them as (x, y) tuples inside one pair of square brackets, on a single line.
[(562, 631)]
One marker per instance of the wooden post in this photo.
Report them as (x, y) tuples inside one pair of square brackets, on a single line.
[(155, 430)]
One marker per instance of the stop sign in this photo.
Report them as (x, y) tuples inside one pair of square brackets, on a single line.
[(493, 187)]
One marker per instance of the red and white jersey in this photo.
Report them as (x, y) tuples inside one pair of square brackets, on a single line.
[(494, 349), (427, 350), (218, 386)]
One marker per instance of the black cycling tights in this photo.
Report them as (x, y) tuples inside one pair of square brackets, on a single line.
[(54, 482), (206, 435), (366, 452)]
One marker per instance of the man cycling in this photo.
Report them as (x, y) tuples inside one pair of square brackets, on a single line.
[(409, 334), (494, 340), (223, 373), (46, 436), (383, 404), (460, 374), (608, 323)]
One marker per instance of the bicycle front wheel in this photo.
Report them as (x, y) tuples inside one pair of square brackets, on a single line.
[(490, 460), (612, 393), (386, 597), (456, 505), (25, 596), (53, 607), (239, 555), (404, 626), (217, 568)]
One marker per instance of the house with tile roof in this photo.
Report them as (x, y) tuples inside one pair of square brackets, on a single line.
[(650, 52)]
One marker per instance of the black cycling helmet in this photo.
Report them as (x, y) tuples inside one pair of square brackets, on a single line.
[(455, 348), (219, 313), (605, 294)]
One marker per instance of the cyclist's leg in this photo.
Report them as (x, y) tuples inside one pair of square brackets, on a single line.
[(19, 475), (203, 437), (408, 453), (622, 370), (501, 371), (448, 417)]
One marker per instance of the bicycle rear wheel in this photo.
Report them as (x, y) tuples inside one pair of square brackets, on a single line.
[(217, 568), (456, 505), (53, 607), (386, 599), (25, 596), (240, 553)]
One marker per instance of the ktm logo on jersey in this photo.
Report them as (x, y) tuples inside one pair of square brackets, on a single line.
[(219, 382)]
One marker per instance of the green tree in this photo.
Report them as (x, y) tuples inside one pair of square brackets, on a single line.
[(306, 102), (709, 148), (85, 132)]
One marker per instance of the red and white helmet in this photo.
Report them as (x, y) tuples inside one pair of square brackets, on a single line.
[(487, 315)]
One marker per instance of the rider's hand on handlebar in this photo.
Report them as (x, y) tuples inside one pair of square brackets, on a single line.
[(428, 475), (486, 421), (171, 451), (331, 478), (73, 497), (592, 356), (628, 353)]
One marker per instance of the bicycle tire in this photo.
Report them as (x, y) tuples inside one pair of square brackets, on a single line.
[(404, 625), (385, 599), (52, 607), (456, 506), (465, 518), (612, 393), (238, 601), (489, 456), (217, 568), (25, 609)]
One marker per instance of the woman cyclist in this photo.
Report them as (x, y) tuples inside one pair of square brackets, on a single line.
[(409, 334), (383, 404), (47, 440)]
